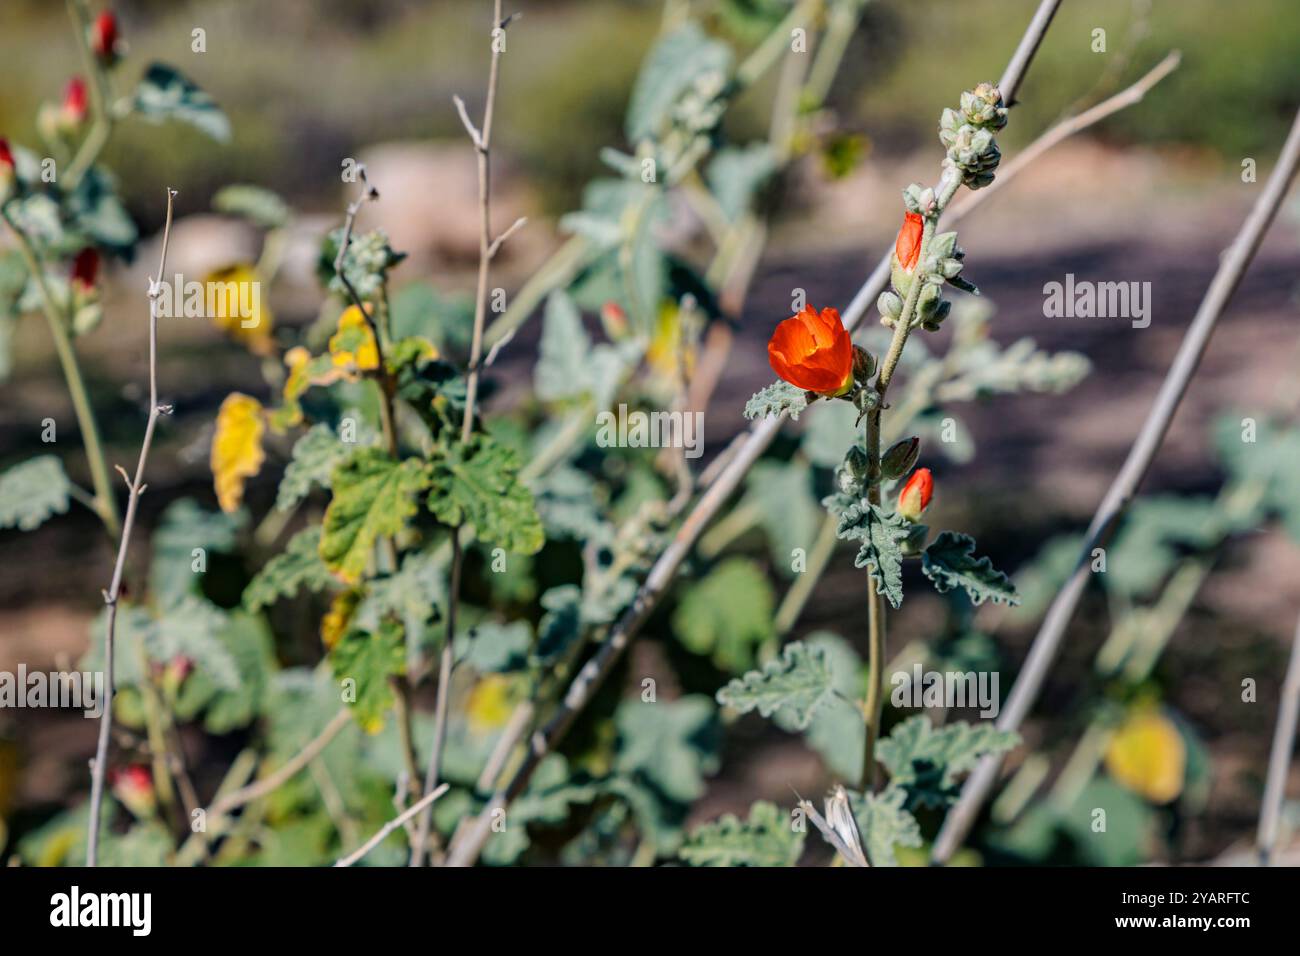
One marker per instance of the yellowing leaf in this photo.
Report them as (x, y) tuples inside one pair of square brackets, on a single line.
[(234, 300), (352, 347), (372, 498), (336, 620), (666, 349), (490, 704), (237, 447), (1148, 756)]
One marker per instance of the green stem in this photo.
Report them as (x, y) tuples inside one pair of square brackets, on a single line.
[(100, 95), (105, 504)]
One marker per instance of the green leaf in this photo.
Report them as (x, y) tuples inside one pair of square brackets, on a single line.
[(765, 839), (32, 492), (165, 93), (837, 731), (190, 629), (830, 432), (414, 594), (777, 398), (298, 566), (561, 624), (250, 644), (671, 744), (315, 456), (884, 824), (370, 659), (782, 494), (1152, 536), (492, 647), (259, 206), (736, 175), (372, 498), (98, 215), (564, 350), (794, 685), (727, 614), (927, 762), (881, 536), (950, 562), (669, 70), (184, 526), (478, 484)]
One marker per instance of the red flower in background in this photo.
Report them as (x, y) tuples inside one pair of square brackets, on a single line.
[(916, 494), (103, 36), (133, 786), (6, 157), (813, 351), (74, 101), (907, 247), (85, 269)]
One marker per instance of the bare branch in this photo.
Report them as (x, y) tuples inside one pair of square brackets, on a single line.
[(1279, 758), (136, 486), (400, 820)]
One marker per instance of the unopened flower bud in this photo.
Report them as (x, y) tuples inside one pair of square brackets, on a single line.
[(857, 463), (73, 113), (900, 458), (916, 494), (133, 787), (914, 543), (104, 38), (864, 365), (8, 170)]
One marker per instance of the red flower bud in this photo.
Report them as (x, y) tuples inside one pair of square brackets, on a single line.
[(813, 351), (134, 788), (907, 247), (6, 157), (74, 101), (103, 37), (916, 494), (85, 269)]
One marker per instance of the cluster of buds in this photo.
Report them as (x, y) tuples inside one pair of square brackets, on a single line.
[(853, 479), (814, 351), (968, 134)]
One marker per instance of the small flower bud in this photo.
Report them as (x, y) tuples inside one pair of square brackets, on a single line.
[(914, 543), (890, 305), (900, 458), (74, 109), (8, 170), (133, 787), (104, 38), (907, 247), (614, 320), (85, 270), (864, 365), (857, 463), (916, 494)]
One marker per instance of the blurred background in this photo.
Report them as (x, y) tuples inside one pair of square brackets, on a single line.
[(1152, 195)]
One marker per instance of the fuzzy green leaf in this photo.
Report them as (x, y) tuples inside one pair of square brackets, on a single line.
[(884, 823), (298, 566), (794, 685), (185, 525), (673, 745), (881, 552), (737, 174), (191, 629), (478, 484), (927, 762), (561, 370), (670, 69), (372, 497), (258, 205), (950, 562), (493, 647), (782, 494), (165, 93), (727, 614), (370, 659), (765, 839), (32, 492), (777, 398), (315, 456)]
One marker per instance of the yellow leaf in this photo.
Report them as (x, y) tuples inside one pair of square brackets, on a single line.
[(236, 448), (490, 703), (1147, 755), (234, 300), (667, 354), (353, 345)]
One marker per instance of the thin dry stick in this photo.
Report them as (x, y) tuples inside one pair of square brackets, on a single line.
[(472, 838), (136, 488), (482, 140), (425, 801), (285, 772), (1279, 758), (1043, 650)]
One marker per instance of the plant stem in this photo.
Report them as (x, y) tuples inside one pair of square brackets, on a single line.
[(136, 485), (1288, 711), (482, 140)]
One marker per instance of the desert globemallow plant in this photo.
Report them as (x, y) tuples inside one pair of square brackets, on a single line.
[(813, 355)]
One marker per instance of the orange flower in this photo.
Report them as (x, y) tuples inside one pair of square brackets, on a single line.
[(907, 247), (813, 351), (916, 494)]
